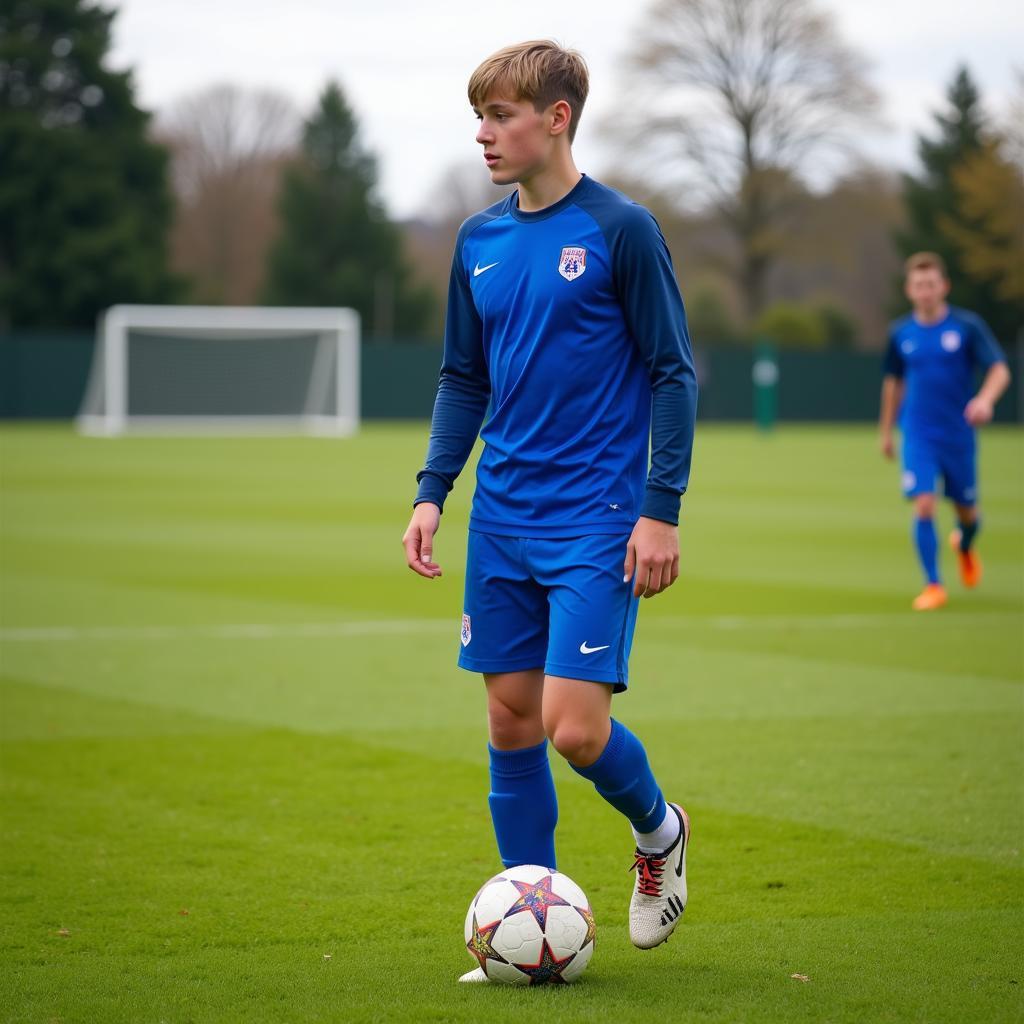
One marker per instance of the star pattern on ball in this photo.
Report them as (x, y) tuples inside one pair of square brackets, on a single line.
[(480, 944), (536, 897), (548, 969), (588, 915)]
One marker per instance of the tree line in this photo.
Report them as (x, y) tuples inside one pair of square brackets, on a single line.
[(739, 118)]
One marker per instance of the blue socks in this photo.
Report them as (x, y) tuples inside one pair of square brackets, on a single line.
[(624, 778), (968, 531), (927, 548), (524, 807)]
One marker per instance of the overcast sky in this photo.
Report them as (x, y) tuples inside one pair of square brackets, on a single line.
[(404, 63)]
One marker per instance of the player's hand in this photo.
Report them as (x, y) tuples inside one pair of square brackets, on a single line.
[(419, 539), (887, 446), (652, 557), (978, 410)]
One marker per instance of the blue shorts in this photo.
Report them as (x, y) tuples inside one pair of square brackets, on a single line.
[(924, 461), (552, 603)]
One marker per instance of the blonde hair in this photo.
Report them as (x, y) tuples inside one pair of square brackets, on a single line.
[(540, 71), (925, 261)]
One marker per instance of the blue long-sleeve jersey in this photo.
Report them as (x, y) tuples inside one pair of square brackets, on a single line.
[(938, 362), (568, 324)]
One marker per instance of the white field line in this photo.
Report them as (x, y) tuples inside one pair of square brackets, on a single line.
[(840, 621), (399, 627), (230, 631)]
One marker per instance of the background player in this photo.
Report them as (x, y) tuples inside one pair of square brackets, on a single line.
[(564, 318), (929, 377)]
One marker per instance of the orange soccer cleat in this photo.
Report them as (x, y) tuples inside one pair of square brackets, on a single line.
[(970, 563), (933, 596)]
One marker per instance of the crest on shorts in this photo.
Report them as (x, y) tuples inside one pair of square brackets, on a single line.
[(950, 340), (573, 262), (467, 631)]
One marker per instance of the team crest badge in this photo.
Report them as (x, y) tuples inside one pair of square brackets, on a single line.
[(467, 632), (950, 340), (573, 262)]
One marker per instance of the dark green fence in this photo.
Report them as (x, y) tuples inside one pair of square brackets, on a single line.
[(43, 376)]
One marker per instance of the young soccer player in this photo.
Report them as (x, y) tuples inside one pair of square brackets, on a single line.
[(565, 321), (929, 376)]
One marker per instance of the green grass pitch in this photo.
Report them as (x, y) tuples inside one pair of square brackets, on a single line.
[(244, 781)]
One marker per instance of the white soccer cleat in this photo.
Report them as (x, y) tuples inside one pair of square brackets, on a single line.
[(659, 891), (477, 974)]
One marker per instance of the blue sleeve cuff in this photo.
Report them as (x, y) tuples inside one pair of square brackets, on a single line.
[(661, 504), (431, 488)]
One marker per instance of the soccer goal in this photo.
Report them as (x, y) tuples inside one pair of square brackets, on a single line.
[(227, 369)]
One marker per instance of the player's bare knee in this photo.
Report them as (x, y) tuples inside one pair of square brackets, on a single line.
[(512, 726), (575, 740), (924, 506), (967, 514)]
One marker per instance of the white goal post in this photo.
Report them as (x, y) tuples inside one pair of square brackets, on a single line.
[(223, 369)]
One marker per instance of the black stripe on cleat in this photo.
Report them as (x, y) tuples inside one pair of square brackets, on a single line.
[(673, 910)]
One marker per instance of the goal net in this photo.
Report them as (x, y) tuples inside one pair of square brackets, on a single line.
[(204, 369)]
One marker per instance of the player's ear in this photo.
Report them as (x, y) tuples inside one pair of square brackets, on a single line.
[(561, 117)]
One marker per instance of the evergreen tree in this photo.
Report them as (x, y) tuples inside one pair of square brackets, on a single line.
[(991, 192), (936, 213), (84, 202), (336, 246)]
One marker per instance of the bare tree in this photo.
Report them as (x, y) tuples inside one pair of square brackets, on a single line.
[(729, 100), (228, 147), (461, 190)]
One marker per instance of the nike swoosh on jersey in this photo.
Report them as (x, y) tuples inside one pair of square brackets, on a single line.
[(584, 649), (478, 270)]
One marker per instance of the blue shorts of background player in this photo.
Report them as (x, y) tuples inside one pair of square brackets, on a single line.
[(925, 461), (557, 603)]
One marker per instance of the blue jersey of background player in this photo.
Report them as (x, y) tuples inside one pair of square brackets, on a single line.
[(930, 365), (565, 322)]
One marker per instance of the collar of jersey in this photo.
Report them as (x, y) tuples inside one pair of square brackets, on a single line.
[(938, 323), (529, 217)]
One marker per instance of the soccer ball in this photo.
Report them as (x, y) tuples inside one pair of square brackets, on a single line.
[(531, 926)]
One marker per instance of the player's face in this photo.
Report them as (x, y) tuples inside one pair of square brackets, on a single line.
[(517, 140), (927, 289)]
